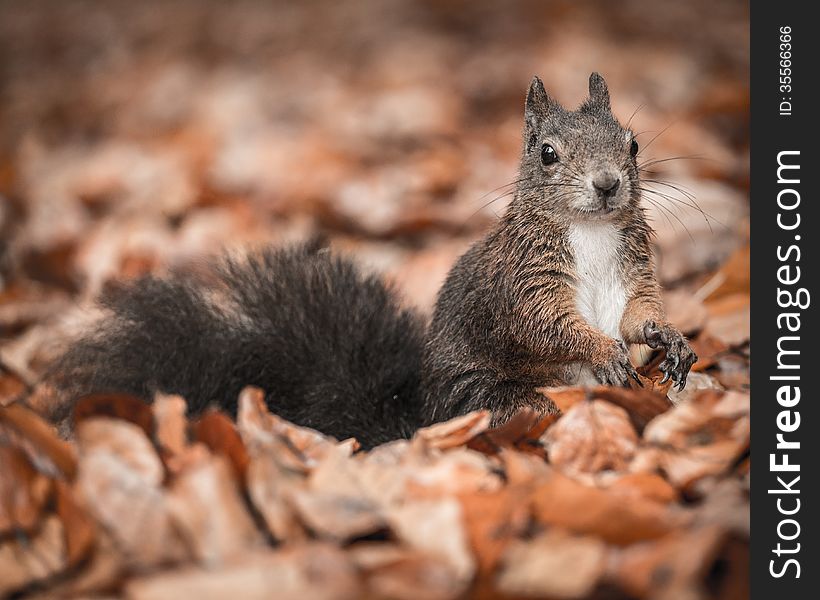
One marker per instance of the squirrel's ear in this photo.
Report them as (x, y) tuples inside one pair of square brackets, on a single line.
[(539, 104), (598, 91)]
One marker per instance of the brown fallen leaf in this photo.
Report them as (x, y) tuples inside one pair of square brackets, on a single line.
[(25, 430), (27, 559), (615, 518), (119, 406), (455, 471), (729, 319), (733, 277), (524, 469), (219, 434), (677, 566), (455, 432), (170, 423), (207, 509), (642, 405), (123, 440), (105, 569), (553, 565), (733, 372), (650, 378), (592, 436), (80, 530), (700, 437), (435, 527), (709, 350), (12, 386), (337, 517), (646, 485), (23, 492), (493, 521), (315, 570), (522, 432), (257, 425), (399, 573), (726, 504), (119, 483), (695, 383), (270, 486), (565, 397)]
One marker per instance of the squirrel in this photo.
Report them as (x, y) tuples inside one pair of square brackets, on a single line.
[(552, 295)]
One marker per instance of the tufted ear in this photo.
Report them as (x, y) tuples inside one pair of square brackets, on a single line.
[(539, 105), (598, 92)]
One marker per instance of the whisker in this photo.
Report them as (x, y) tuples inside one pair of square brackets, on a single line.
[(660, 206), (662, 213), (655, 137), (649, 163), (693, 203), (632, 116), (500, 187)]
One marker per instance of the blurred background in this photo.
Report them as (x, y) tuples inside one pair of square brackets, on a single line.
[(139, 135)]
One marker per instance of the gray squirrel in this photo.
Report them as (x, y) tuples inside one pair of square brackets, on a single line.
[(553, 294)]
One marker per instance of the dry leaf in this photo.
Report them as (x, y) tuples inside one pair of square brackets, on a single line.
[(308, 571), (119, 406), (257, 425), (643, 405), (270, 486), (709, 350), (337, 517), (646, 485), (702, 436), (565, 397), (208, 511), (674, 567), (119, 482), (566, 503), (455, 432), (493, 521), (436, 528), (48, 454), (553, 565), (28, 559), (730, 319), (522, 431), (219, 434), (171, 424), (405, 574), (80, 531), (695, 383), (23, 492), (591, 437)]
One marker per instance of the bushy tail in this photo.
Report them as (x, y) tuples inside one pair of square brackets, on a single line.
[(330, 346)]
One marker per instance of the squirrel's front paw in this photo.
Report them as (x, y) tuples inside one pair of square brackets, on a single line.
[(616, 368), (679, 356)]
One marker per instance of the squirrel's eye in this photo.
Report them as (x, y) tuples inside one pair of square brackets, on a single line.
[(548, 155), (633, 148)]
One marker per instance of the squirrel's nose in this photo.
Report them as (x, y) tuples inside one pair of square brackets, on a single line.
[(606, 184)]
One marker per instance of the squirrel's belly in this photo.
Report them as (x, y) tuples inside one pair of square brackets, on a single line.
[(600, 292)]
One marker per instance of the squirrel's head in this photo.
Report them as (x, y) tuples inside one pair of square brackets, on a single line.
[(577, 164)]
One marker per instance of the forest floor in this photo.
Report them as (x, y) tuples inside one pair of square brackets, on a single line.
[(139, 137)]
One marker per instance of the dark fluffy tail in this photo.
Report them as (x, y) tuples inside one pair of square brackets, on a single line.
[(330, 346)]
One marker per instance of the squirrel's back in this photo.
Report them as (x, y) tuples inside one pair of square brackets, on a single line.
[(331, 346)]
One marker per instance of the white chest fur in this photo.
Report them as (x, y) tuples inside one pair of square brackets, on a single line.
[(600, 294)]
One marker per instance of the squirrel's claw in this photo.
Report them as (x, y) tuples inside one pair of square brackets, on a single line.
[(679, 356), (618, 370)]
